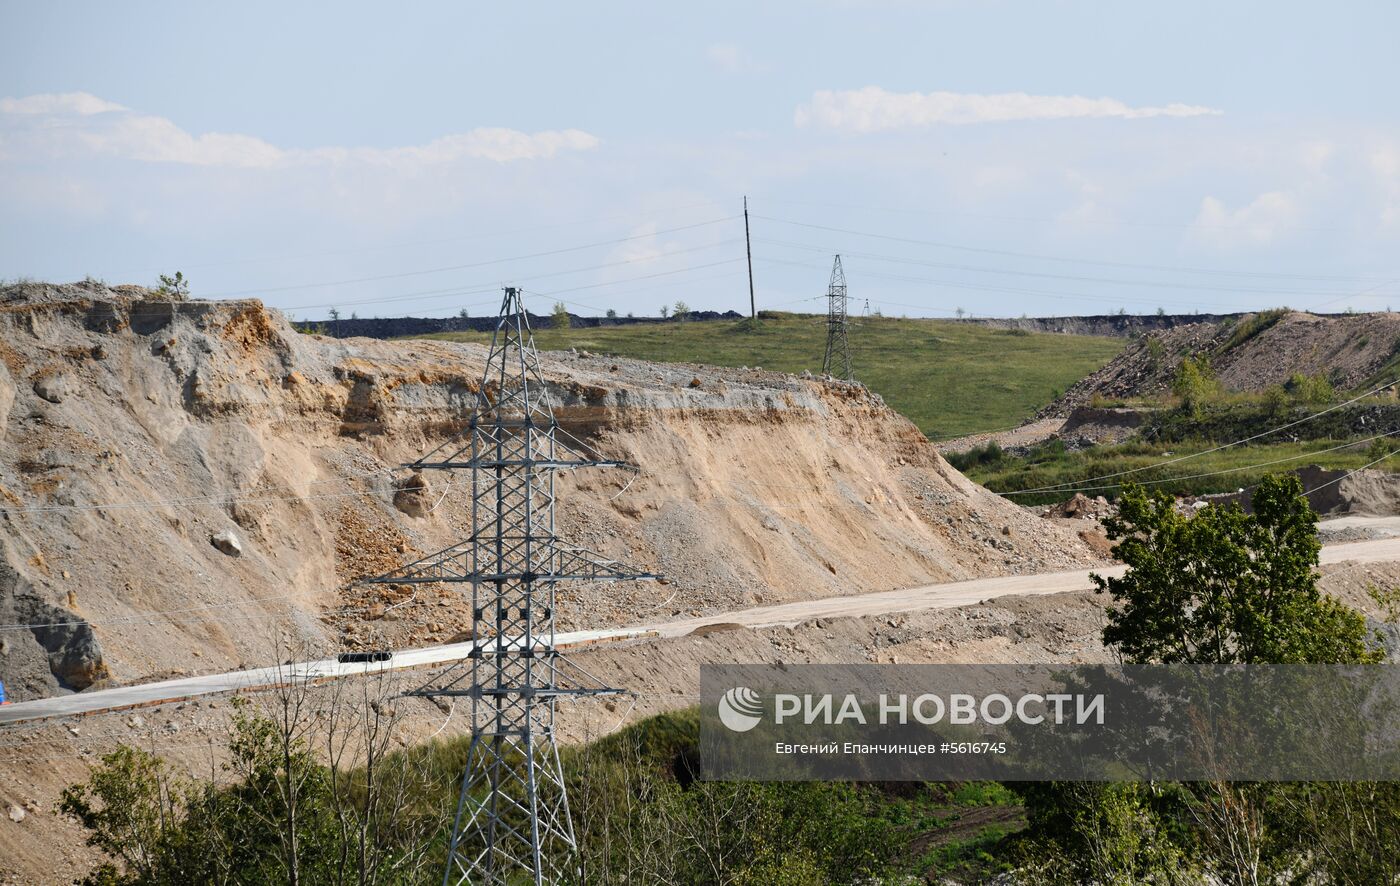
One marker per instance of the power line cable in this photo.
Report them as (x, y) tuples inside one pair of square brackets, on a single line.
[(1011, 253), (473, 288), (1012, 290), (1079, 278), (1351, 472), (1059, 220), (480, 264), (1333, 408), (1249, 467), (359, 250)]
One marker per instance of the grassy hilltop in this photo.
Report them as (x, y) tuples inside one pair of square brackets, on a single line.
[(950, 378)]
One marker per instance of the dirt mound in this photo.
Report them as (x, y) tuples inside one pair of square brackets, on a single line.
[(1335, 492), (138, 430), (1249, 353), (1081, 506)]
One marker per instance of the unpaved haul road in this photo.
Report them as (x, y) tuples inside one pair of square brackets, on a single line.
[(939, 596), (143, 694), (964, 593)]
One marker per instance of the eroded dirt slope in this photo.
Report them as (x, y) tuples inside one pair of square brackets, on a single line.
[(183, 480), (1250, 352)]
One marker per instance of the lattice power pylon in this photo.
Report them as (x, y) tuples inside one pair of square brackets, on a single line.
[(512, 824), (837, 361)]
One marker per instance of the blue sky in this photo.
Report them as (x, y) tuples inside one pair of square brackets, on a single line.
[(996, 157)]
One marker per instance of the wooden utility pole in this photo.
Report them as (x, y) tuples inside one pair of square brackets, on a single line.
[(748, 248)]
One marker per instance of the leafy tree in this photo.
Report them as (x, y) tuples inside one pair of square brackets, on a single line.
[(156, 826), (639, 823), (681, 311), (174, 286), (283, 818), (1222, 586), (560, 317), (463, 314), (1109, 833), (1225, 586), (611, 315), (665, 311)]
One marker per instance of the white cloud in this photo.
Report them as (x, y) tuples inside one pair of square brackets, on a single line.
[(80, 103), (1263, 220), (485, 143), (732, 59), (873, 109), (154, 139), (726, 57)]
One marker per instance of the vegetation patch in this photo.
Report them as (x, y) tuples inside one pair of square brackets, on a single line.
[(949, 378), (1250, 326)]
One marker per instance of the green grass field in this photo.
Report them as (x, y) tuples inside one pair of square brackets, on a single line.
[(949, 378), (1225, 471)]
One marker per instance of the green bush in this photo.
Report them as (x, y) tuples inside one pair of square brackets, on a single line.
[(985, 456), (1195, 385), (1310, 388)]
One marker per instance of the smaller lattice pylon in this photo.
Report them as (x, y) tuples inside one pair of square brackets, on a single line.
[(836, 362)]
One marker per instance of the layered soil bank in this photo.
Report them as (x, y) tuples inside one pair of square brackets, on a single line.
[(186, 484)]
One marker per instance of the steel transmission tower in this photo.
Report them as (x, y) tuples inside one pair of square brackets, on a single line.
[(512, 824), (837, 361)]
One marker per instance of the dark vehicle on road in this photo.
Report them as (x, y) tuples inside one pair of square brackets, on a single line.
[(365, 657)]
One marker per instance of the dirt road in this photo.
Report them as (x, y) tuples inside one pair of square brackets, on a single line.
[(963, 593), (143, 694), (939, 596)]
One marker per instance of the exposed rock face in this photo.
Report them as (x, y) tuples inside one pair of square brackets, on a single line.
[(1114, 325), (54, 387), (411, 495), (1336, 492), (57, 651), (188, 417), (7, 398), (227, 541)]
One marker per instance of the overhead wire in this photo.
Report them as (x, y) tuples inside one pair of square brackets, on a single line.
[(473, 288), (1078, 278), (1352, 472), (1242, 468), (987, 287), (495, 261), (381, 247), (1027, 255), (1057, 220), (1307, 418)]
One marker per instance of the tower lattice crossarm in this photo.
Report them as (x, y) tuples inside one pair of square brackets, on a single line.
[(512, 823)]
